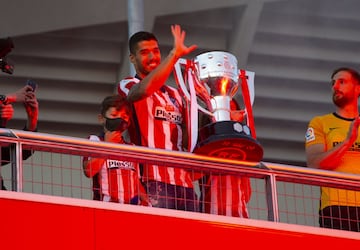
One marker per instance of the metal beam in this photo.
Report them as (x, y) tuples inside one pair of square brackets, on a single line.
[(23, 17), (245, 29)]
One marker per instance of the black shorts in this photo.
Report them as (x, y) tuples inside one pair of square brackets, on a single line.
[(340, 217)]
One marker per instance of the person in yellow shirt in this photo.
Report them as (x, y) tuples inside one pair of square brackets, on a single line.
[(332, 142)]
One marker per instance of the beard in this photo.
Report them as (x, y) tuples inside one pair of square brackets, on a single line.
[(145, 65), (146, 69), (340, 100)]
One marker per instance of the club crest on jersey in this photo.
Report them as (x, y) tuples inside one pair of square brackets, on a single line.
[(169, 108), (168, 114), (174, 101), (120, 164), (310, 135)]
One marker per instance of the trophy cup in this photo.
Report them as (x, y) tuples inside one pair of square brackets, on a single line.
[(214, 79)]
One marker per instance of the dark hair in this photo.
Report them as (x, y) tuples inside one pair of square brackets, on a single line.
[(138, 37), (115, 101), (352, 72)]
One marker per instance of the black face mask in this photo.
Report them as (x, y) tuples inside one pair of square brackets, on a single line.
[(116, 124)]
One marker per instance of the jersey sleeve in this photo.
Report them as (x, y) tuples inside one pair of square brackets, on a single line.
[(125, 85), (91, 138), (315, 132)]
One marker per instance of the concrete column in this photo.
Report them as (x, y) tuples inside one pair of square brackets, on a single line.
[(135, 20)]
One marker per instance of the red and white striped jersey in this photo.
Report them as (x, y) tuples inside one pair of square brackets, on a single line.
[(117, 181), (157, 123), (227, 195)]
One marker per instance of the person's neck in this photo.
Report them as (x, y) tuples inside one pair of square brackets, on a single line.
[(348, 112), (138, 76)]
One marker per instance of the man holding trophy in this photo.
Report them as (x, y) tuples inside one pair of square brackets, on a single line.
[(159, 118)]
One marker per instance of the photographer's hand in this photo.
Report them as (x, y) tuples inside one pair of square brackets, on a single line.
[(32, 109), (19, 95), (6, 113)]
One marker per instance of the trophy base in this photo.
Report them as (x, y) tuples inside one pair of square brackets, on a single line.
[(230, 140)]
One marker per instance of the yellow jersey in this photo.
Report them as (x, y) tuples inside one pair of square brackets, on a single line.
[(330, 130)]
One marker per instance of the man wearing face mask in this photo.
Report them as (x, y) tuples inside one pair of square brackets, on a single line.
[(114, 180)]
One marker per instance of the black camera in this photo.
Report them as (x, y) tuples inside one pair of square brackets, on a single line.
[(6, 45)]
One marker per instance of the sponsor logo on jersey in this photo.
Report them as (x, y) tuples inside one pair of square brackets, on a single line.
[(355, 147), (120, 164), (168, 114), (310, 135)]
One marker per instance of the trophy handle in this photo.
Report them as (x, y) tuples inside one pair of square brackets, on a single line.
[(248, 96), (190, 98), (250, 75), (179, 78)]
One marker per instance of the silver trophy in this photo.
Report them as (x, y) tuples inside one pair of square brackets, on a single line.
[(209, 83)]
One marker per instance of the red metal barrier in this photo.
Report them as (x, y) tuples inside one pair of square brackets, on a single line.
[(30, 221)]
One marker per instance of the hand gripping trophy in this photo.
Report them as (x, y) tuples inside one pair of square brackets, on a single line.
[(209, 82)]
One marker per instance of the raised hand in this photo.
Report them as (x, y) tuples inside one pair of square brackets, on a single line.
[(19, 95), (353, 131), (32, 109), (180, 48)]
